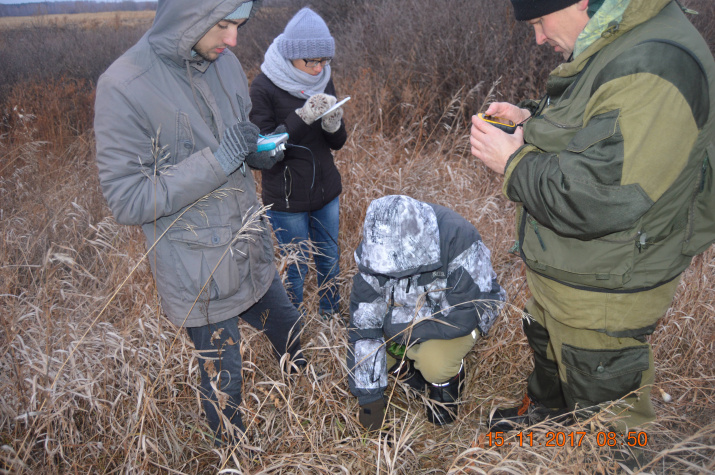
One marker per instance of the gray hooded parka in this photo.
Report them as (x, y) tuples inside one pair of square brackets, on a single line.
[(189, 210)]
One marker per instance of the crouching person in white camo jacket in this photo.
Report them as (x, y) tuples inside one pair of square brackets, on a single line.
[(424, 290)]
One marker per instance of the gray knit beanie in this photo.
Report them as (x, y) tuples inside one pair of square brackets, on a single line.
[(530, 9), (242, 12), (306, 36)]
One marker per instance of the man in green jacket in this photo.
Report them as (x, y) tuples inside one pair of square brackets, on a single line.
[(612, 172)]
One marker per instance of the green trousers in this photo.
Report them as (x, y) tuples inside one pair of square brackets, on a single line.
[(591, 351), (438, 360)]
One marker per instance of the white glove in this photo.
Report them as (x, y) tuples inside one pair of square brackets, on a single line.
[(314, 106), (331, 122)]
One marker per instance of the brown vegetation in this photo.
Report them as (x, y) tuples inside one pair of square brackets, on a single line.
[(94, 379), (80, 20)]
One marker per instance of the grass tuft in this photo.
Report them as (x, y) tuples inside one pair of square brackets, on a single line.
[(94, 379)]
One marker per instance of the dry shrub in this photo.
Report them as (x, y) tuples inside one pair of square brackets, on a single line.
[(414, 56), (94, 379), (47, 52), (54, 112)]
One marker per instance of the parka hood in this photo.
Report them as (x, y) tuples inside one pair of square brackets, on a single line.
[(400, 238), (180, 24)]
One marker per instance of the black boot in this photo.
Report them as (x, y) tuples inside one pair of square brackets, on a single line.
[(405, 372), (529, 413), (443, 398)]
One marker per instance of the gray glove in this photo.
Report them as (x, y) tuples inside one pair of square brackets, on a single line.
[(238, 141), (331, 122), (372, 414), (264, 160), (314, 106)]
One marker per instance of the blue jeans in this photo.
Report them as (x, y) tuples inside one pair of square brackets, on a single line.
[(275, 315), (321, 227)]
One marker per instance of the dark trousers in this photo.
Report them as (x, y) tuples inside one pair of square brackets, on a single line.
[(218, 345)]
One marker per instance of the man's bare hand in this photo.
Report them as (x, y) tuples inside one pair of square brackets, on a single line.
[(491, 145)]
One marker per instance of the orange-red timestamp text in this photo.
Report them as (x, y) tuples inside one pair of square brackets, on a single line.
[(564, 438)]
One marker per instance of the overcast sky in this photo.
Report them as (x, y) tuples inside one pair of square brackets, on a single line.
[(15, 2)]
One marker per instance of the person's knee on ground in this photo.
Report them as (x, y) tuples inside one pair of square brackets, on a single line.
[(403, 369), (441, 363)]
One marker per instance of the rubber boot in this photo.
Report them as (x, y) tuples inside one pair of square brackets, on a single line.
[(443, 399), (529, 413), (405, 372)]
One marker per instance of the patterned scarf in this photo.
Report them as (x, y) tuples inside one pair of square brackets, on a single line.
[(289, 78), (610, 13)]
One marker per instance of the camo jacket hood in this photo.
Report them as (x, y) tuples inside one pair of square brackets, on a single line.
[(424, 273), (400, 237)]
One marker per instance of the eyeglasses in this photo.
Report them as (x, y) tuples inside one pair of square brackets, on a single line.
[(313, 63)]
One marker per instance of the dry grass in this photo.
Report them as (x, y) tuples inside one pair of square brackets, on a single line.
[(89, 21), (118, 393), (94, 379)]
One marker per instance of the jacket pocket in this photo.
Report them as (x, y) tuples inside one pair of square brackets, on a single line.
[(205, 261), (184, 145), (596, 376), (700, 228), (605, 263), (600, 128), (267, 239)]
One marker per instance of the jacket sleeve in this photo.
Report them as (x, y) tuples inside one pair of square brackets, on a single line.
[(262, 111), (337, 139), (140, 185), (472, 288), (366, 356), (472, 298), (638, 133)]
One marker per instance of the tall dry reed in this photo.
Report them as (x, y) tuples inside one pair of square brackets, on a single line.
[(94, 379)]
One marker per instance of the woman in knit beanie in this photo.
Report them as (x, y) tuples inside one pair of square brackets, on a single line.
[(294, 88)]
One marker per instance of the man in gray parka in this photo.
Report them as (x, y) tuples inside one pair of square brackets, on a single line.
[(173, 139), (424, 291)]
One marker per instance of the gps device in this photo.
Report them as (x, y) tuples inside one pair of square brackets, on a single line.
[(502, 124), (272, 142), (335, 106)]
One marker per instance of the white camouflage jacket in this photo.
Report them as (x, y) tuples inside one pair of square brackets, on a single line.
[(424, 273)]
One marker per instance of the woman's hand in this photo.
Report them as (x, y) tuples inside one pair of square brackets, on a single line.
[(331, 122), (315, 106)]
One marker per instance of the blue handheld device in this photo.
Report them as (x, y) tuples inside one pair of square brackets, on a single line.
[(272, 142)]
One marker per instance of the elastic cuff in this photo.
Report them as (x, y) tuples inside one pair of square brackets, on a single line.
[(362, 400)]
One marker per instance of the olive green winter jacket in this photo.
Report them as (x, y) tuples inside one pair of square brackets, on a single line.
[(615, 180)]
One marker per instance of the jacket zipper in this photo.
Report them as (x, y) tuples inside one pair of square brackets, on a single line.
[(286, 185)]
